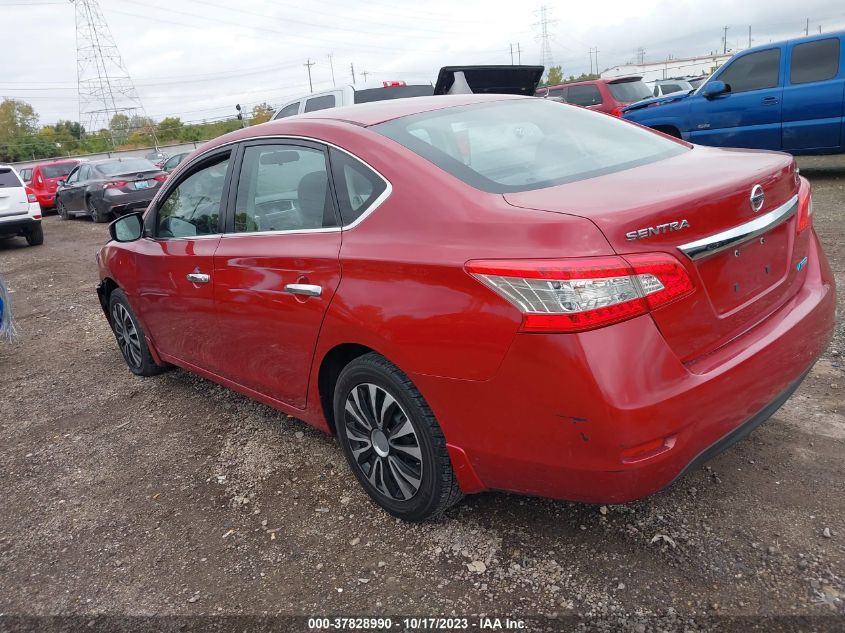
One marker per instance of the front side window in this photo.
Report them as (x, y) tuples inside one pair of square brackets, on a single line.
[(755, 71), (288, 110), (358, 186), (85, 172), (583, 95), (320, 103), (815, 61), (526, 144), (283, 188), (74, 175), (193, 207)]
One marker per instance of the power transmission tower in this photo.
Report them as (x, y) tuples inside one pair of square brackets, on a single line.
[(725, 40), (104, 86), (594, 51), (546, 57), (641, 56), (308, 65)]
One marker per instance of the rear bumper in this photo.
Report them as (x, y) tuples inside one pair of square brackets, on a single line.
[(20, 226), (613, 415), (125, 203), (46, 200)]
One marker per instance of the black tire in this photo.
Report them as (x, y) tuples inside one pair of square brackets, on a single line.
[(133, 347), (437, 488), (36, 236), (60, 209), (95, 213)]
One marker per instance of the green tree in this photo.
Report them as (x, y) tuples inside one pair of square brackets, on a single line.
[(170, 129), (261, 113), (554, 76), (18, 125), (120, 127)]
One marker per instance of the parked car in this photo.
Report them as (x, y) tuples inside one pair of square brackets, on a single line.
[(20, 215), (113, 186), (604, 95), (513, 79), (784, 96), (695, 82), (482, 292), (157, 158), (173, 162), (663, 87), (45, 177)]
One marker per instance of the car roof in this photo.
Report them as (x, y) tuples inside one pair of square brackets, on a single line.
[(375, 112)]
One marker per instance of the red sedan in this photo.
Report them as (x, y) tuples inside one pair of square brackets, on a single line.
[(482, 292)]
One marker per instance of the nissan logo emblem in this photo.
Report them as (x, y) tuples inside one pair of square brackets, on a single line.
[(757, 198)]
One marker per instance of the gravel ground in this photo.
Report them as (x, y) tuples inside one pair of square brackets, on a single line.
[(171, 496)]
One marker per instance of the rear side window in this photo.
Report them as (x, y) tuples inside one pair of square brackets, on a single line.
[(670, 88), (320, 103), (629, 91), (26, 174), (526, 144), (283, 188), (8, 178), (288, 110), (755, 71), (583, 95), (358, 187), (815, 61), (57, 171), (557, 92)]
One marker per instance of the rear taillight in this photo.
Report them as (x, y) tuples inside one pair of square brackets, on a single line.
[(574, 295), (805, 205), (393, 84), (115, 184), (161, 177), (30, 195), (616, 112)]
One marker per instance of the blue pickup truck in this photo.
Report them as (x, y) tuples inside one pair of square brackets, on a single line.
[(787, 96)]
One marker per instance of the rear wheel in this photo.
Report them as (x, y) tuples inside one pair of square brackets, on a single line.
[(392, 441), (36, 236), (62, 211), (95, 214), (130, 336)]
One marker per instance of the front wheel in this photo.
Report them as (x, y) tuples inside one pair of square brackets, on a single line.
[(130, 337), (62, 210), (392, 440), (36, 236)]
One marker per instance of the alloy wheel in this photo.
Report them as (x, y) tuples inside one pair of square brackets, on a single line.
[(127, 335), (383, 442)]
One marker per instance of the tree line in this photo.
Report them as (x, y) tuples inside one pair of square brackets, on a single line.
[(23, 138), (555, 77)]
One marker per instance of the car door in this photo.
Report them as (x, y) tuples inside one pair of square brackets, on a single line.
[(749, 115), (72, 194), (277, 267), (174, 261), (814, 96)]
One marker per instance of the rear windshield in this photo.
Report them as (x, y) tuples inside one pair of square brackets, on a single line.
[(127, 166), (57, 171), (525, 144), (629, 91), (8, 178), (393, 92)]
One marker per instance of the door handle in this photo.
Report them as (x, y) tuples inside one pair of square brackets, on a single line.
[(198, 278), (307, 290), (770, 100)]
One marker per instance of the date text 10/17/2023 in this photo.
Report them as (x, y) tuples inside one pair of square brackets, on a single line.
[(482, 623)]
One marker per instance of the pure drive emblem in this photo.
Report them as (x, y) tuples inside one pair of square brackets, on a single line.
[(657, 230)]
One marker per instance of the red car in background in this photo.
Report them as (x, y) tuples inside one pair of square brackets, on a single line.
[(605, 95), (45, 178), (482, 292)]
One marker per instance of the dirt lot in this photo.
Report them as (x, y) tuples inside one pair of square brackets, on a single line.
[(173, 496)]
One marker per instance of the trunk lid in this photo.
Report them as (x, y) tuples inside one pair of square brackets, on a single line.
[(13, 200), (689, 199)]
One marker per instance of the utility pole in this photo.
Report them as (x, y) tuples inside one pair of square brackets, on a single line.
[(807, 28), (308, 65), (518, 54), (331, 65), (749, 36), (725, 40), (596, 52), (641, 56), (511, 54), (365, 73), (591, 60), (352, 68)]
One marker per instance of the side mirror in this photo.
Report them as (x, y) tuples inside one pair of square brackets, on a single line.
[(715, 88), (127, 228), (61, 183)]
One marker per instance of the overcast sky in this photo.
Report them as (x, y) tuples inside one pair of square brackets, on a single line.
[(196, 58)]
